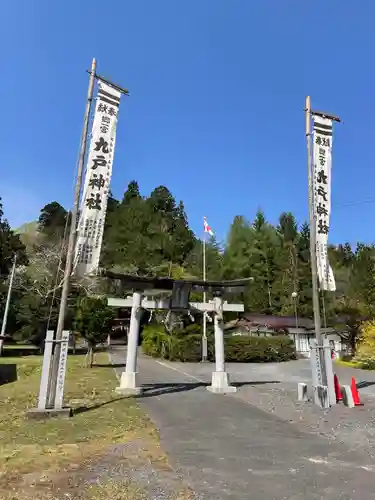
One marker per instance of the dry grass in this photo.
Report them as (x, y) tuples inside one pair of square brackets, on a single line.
[(115, 490), (33, 452)]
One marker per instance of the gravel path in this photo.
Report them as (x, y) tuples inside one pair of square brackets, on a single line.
[(124, 472), (352, 426)]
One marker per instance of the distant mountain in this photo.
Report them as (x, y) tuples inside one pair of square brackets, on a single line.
[(27, 228), (28, 233)]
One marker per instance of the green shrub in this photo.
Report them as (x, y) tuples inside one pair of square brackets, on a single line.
[(185, 345), (367, 365), (365, 355), (181, 346), (259, 349)]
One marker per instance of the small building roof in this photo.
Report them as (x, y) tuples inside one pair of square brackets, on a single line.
[(277, 322)]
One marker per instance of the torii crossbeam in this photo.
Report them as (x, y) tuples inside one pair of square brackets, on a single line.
[(178, 301)]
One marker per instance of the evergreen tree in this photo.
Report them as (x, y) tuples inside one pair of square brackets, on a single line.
[(363, 278), (128, 245), (112, 203), (10, 244), (169, 227), (214, 260), (132, 193), (52, 220), (151, 236), (287, 280), (93, 321), (259, 221)]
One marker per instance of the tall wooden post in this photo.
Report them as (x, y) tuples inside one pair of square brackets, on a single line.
[(314, 272), (72, 239), (321, 362)]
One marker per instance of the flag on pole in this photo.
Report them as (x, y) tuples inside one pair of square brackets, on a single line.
[(207, 228)]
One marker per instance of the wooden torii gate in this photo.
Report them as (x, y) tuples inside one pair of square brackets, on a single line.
[(179, 301)]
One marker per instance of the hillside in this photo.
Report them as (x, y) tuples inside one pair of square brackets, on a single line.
[(28, 232)]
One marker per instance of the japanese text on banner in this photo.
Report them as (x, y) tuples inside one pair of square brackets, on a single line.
[(322, 155), (97, 181)]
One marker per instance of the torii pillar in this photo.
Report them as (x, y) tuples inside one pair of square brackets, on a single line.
[(220, 379), (128, 382), (179, 301)]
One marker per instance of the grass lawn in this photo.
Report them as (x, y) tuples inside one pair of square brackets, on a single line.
[(350, 364), (50, 459)]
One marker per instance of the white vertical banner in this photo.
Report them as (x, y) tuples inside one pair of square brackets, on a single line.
[(98, 176), (322, 165)]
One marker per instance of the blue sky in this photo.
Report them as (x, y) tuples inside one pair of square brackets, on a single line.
[(216, 106)]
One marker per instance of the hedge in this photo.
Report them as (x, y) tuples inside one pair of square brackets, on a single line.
[(181, 346), (186, 346)]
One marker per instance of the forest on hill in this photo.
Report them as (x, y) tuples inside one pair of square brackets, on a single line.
[(150, 236)]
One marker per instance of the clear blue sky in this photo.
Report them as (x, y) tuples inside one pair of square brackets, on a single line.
[(216, 107)]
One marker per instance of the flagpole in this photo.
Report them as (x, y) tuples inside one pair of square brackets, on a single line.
[(7, 304), (314, 273), (321, 361), (71, 242), (204, 336)]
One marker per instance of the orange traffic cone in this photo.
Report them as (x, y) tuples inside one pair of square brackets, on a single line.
[(337, 388), (355, 393)]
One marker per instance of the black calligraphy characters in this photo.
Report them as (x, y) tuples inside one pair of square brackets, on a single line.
[(322, 187)]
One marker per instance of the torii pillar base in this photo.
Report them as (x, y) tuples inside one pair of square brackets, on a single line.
[(128, 385), (220, 384)]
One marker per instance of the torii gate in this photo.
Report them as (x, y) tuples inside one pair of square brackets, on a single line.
[(179, 301)]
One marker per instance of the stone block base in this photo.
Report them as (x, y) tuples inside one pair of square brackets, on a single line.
[(347, 396), (128, 385), (44, 413), (302, 392), (220, 384), (320, 396)]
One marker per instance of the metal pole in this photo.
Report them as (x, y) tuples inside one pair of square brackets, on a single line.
[(204, 336), (72, 238), (314, 273), (294, 298), (296, 313), (7, 304)]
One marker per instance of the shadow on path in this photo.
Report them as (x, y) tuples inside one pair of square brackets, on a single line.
[(150, 390), (109, 365), (364, 383), (84, 409)]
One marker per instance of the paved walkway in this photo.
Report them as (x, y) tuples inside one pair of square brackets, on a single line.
[(228, 449)]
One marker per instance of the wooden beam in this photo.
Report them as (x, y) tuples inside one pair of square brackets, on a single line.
[(164, 304), (323, 114), (143, 283)]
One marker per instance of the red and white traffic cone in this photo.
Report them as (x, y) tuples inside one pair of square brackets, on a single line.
[(337, 388), (355, 393)]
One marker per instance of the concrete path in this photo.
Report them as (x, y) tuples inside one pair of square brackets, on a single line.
[(288, 374), (228, 449)]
